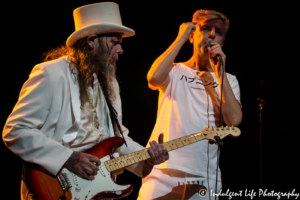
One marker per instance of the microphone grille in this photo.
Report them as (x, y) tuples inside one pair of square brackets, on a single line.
[(209, 42)]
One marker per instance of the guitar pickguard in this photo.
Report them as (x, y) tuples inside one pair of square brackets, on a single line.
[(101, 186)]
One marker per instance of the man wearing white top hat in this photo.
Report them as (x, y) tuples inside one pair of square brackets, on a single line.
[(64, 106)]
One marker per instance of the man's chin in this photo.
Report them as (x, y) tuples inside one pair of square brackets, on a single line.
[(202, 52)]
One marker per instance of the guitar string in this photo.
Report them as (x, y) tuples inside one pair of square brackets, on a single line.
[(120, 159), (145, 153)]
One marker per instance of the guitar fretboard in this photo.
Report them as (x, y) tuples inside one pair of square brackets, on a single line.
[(122, 162)]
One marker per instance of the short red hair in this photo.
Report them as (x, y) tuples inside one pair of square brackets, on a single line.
[(205, 15)]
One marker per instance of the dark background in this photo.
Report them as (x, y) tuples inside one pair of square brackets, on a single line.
[(255, 52)]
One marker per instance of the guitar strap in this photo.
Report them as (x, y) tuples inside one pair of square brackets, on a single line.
[(113, 112), (114, 116)]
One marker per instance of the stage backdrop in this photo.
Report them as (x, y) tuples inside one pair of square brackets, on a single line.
[(254, 55)]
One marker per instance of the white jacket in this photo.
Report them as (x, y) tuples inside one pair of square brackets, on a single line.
[(47, 109)]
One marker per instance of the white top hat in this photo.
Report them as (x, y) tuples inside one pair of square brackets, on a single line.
[(97, 18)]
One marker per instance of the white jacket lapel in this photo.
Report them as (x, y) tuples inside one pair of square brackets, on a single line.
[(71, 134)]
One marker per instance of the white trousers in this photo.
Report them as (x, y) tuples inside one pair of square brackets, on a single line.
[(169, 184)]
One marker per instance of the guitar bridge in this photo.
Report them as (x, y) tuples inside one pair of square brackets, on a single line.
[(64, 181)]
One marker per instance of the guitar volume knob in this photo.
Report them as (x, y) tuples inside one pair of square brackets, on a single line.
[(77, 188), (76, 197)]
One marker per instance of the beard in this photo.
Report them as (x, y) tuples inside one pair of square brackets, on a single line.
[(111, 68), (106, 73)]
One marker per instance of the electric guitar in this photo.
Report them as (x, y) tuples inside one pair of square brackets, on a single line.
[(71, 186)]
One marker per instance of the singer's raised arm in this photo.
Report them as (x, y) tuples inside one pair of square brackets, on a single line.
[(158, 74)]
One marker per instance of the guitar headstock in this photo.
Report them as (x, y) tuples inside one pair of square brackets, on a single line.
[(222, 132)]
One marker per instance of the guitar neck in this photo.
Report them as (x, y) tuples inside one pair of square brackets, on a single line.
[(122, 162)]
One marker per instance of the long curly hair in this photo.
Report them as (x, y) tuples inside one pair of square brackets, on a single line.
[(81, 59)]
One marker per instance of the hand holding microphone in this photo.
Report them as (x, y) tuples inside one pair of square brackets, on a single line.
[(215, 50)]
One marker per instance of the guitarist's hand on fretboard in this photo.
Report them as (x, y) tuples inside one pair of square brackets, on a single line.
[(83, 164), (158, 152)]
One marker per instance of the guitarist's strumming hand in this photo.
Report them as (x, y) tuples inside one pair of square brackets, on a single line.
[(158, 152), (83, 164)]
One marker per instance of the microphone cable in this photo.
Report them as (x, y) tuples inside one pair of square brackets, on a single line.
[(220, 119), (219, 141)]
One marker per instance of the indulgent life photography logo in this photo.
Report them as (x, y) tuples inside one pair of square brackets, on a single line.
[(252, 193)]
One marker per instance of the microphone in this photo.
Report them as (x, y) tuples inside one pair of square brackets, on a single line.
[(209, 42)]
